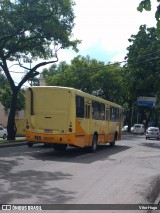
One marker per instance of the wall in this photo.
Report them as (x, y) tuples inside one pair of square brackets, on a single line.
[(4, 115)]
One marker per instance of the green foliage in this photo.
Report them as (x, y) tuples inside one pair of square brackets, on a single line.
[(6, 97), (88, 75), (143, 65), (108, 83), (31, 26), (3, 85), (31, 30), (3, 81), (143, 61), (146, 4)]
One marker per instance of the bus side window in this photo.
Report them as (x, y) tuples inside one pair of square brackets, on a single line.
[(102, 111), (107, 114), (117, 114), (79, 106), (95, 110), (114, 114), (87, 111)]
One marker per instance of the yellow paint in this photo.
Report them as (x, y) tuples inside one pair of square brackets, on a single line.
[(20, 126), (51, 118)]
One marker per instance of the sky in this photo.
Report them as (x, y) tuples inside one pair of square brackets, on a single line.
[(104, 27)]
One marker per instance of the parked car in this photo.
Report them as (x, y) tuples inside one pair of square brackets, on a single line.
[(153, 132), (125, 129), (139, 129), (3, 132), (132, 129)]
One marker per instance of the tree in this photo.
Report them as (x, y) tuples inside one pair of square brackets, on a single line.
[(3, 81), (78, 74), (108, 83), (89, 75), (6, 97), (3, 84), (146, 4), (143, 64), (32, 29)]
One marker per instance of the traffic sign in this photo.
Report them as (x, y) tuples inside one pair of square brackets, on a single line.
[(146, 101)]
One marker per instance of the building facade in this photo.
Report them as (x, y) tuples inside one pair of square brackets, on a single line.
[(20, 115), (4, 115)]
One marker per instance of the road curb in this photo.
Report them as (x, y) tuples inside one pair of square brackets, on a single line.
[(155, 194), (12, 144), (157, 201)]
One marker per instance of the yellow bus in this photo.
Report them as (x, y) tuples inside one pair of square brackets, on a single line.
[(64, 116)]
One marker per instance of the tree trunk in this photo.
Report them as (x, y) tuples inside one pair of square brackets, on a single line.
[(11, 127)]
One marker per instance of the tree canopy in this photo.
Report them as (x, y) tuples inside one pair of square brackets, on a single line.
[(139, 77), (33, 29), (147, 5), (143, 64), (89, 75)]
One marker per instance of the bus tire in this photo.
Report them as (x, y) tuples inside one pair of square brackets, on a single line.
[(29, 144), (93, 148), (60, 147), (113, 143)]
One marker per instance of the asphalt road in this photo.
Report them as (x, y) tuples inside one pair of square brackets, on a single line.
[(128, 173)]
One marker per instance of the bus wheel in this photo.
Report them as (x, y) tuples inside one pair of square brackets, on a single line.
[(60, 147), (94, 144), (30, 144), (112, 144)]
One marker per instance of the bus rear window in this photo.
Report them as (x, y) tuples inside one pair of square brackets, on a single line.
[(79, 106)]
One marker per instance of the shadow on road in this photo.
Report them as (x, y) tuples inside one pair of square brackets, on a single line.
[(79, 155), (73, 155), (133, 137), (29, 186), (154, 144), (32, 185)]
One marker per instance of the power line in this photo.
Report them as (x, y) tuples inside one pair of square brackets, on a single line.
[(16, 72), (115, 63)]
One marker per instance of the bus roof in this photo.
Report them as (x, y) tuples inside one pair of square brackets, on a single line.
[(79, 92)]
